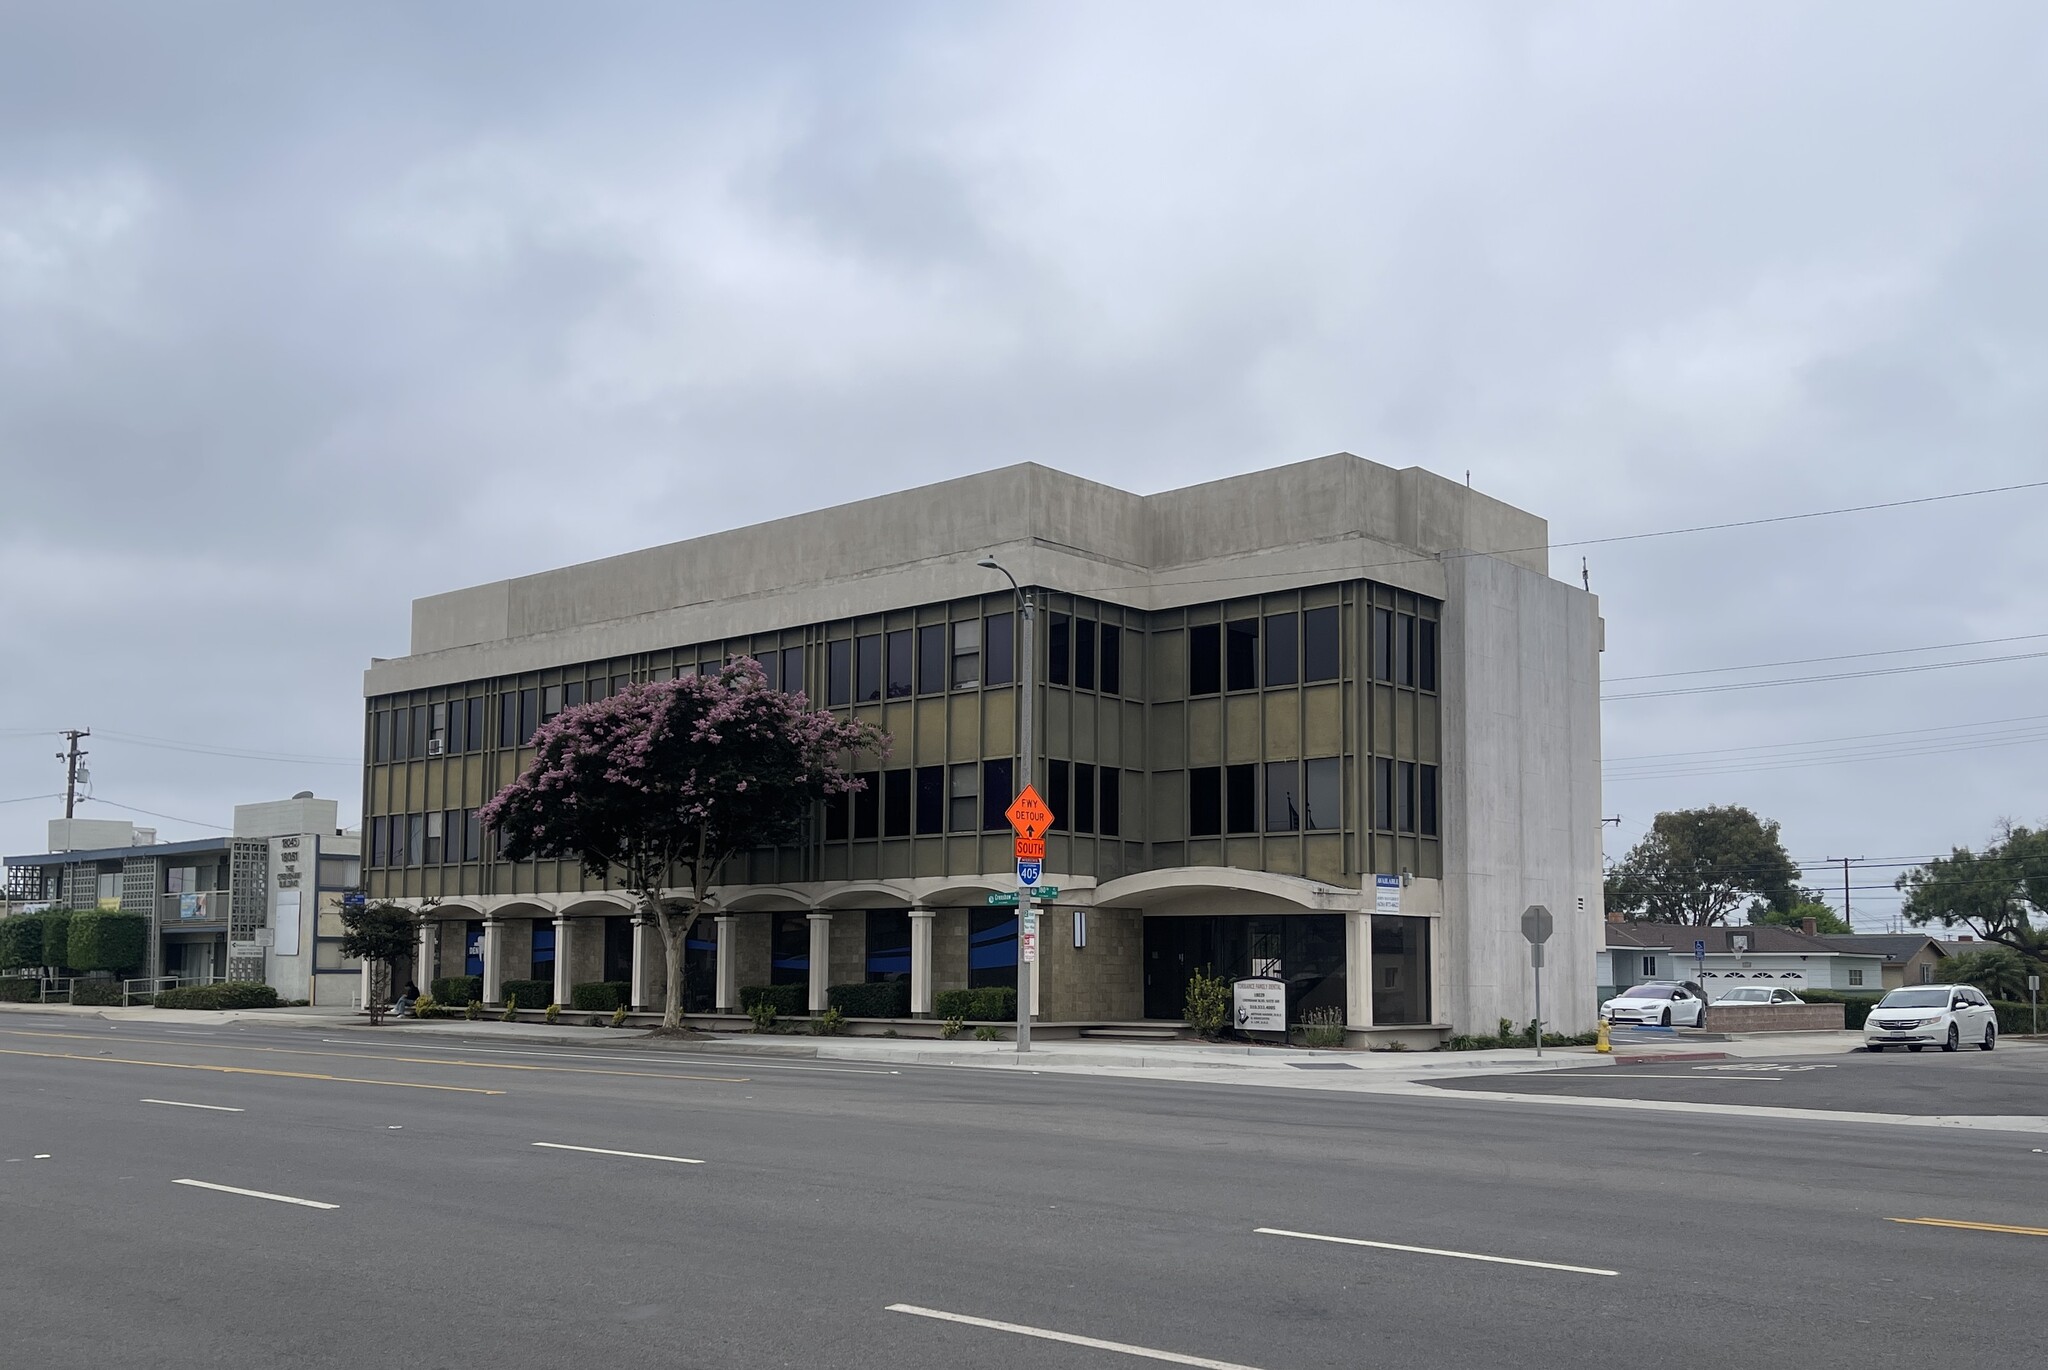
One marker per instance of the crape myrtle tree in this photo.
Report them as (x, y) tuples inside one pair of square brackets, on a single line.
[(2000, 893), (378, 933), (1700, 866), (674, 778)]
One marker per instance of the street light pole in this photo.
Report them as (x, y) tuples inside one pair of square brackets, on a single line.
[(1026, 710)]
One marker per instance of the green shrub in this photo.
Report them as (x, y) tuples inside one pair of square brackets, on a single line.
[(232, 995), (553, 1013), (789, 1000), (511, 1012), (885, 999), (457, 990), (107, 941), (619, 1016), (97, 993), (988, 1032), (1855, 1007), (1324, 1027), (762, 1014), (830, 1023), (21, 942), (2015, 1018), (473, 1010), (950, 1028), (534, 994), (20, 989), (600, 996), (990, 1004), (1208, 1004), (56, 937)]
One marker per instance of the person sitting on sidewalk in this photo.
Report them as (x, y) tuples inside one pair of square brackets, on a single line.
[(405, 1000)]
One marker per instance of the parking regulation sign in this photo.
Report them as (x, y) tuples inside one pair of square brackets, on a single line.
[(1029, 871)]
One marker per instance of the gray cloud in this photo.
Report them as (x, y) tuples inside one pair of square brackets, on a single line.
[(306, 311)]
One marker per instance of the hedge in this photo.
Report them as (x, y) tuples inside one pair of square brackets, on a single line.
[(2015, 1018), (20, 989), (881, 999), (989, 1004), (790, 1001), (107, 941), (21, 942), (458, 990), (532, 994), (56, 937), (600, 996), (97, 993), (236, 994), (1855, 1007)]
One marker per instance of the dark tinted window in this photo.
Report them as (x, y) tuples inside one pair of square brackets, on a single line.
[(1283, 796), (991, 948), (508, 719), (931, 799), (1282, 632), (1205, 666), (1112, 659), (867, 807), (1425, 653), (380, 748), (867, 656), (896, 803), (529, 715), (839, 672), (1241, 654), (572, 694), (1084, 797), (472, 836), (1325, 791), (931, 659), (1382, 793), (793, 669), (836, 809), (1205, 801), (1383, 644), (1084, 653), (1000, 666), (1404, 649), (1110, 817), (790, 950), (1241, 798), (900, 685), (1057, 655), (477, 740), (1056, 795), (1319, 654), (1404, 796), (888, 944), (1427, 801), (771, 669), (996, 793)]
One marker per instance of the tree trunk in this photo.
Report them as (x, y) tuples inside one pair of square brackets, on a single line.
[(675, 936)]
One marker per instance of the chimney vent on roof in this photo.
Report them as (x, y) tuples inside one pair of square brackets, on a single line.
[(1809, 927)]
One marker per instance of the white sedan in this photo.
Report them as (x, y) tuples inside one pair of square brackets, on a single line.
[(1662, 1003), (1759, 994), (1946, 1016)]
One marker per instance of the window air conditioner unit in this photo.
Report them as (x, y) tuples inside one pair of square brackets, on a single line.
[(435, 746)]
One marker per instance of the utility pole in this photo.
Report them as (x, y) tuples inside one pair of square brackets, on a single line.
[(71, 757), (1845, 860), (1026, 710)]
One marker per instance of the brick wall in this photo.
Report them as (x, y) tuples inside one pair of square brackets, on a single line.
[(1101, 982), (1775, 1017), (849, 959)]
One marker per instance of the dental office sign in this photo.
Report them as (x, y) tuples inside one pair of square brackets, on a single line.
[(1259, 1004)]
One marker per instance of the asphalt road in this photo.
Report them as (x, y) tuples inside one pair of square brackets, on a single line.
[(2013, 1080), (832, 1197)]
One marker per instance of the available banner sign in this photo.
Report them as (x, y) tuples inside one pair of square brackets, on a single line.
[(1259, 1004), (1386, 891)]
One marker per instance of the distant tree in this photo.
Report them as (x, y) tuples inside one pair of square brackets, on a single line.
[(21, 942), (1998, 893), (377, 934), (1700, 866), (658, 786), (1824, 918), (96, 940), (2000, 972)]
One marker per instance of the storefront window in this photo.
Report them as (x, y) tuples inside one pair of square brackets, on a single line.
[(888, 945), (991, 948), (791, 952), (1400, 971)]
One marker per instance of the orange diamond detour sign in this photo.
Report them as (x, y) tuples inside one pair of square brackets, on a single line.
[(1029, 815)]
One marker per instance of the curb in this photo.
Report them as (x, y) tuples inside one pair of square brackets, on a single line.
[(1652, 1057)]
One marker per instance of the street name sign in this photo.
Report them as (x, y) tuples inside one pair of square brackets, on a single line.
[(1008, 898)]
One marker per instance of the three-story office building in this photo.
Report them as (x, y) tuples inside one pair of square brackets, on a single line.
[(1332, 722)]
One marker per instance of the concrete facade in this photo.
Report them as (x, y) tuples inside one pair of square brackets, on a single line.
[(1301, 680)]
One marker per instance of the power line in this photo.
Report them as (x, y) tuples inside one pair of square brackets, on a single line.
[(1815, 679), (1794, 761), (238, 753), (1847, 737), (152, 813), (1814, 660)]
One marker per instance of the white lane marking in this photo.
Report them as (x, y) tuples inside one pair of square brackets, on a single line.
[(175, 1103), (1434, 1251), (256, 1194), (675, 1062), (1696, 1079), (1047, 1334), (41, 1156), (601, 1151)]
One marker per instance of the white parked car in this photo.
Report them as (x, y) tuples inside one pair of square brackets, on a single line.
[(1947, 1016), (1663, 1003), (1759, 994)]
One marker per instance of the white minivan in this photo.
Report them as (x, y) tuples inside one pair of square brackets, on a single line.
[(1946, 1016)]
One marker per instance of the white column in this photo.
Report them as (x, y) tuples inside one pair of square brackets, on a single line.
[(821, 958), (494, 973), (364, 994), (1358, 969), (647, 963), (423, 958), (1038, 966), (563, 971), (921, 962), (727, 1000)]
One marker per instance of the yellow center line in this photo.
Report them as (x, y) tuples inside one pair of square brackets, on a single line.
[(410, 1060), (1973, 1227), (248, 1070)]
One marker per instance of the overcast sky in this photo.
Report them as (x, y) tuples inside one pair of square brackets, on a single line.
[(308, 310)]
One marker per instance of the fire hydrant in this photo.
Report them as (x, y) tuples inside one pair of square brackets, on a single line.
[(1601, 1041)]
